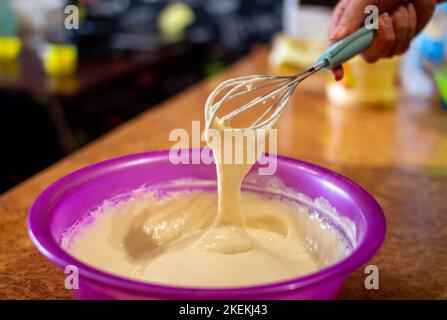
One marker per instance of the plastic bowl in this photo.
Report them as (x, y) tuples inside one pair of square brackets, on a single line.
[(66, 200)]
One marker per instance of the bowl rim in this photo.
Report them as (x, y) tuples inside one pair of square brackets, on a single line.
[(366, 249)]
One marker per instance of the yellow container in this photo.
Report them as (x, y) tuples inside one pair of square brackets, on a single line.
[(10, 70), (60, 59), (9, 48), (366, 83)]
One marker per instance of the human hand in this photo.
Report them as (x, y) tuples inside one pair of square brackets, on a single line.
[(399, 22)]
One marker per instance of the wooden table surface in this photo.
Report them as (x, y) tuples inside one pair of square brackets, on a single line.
[(398, 154)]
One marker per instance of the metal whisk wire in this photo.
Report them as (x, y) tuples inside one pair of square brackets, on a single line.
[(282, 89), (334, 56)]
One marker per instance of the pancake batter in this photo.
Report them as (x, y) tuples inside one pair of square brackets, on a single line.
[(185, 239), (282, 241)]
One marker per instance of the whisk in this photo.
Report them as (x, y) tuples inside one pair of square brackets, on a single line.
[(281, 87)]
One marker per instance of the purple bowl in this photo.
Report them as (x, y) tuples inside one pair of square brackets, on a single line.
[(65, 201)]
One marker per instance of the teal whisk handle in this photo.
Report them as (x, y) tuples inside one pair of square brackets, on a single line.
[(348, 47)]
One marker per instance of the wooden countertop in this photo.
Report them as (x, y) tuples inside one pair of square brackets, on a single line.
[(398, 154)]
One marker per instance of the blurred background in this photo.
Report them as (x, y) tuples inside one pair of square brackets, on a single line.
[(70, 71)]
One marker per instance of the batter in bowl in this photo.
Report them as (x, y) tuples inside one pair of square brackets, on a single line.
[(162, 241), (203, 239)]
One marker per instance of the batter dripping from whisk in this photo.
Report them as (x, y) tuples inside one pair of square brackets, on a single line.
[(186, 239)]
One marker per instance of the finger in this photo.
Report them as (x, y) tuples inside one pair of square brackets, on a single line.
[(338, 73), (401, 25), (384, 40), (339, 11), (412, 18), (351, 19)]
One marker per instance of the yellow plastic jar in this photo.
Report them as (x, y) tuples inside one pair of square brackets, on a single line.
[(366, 83)]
